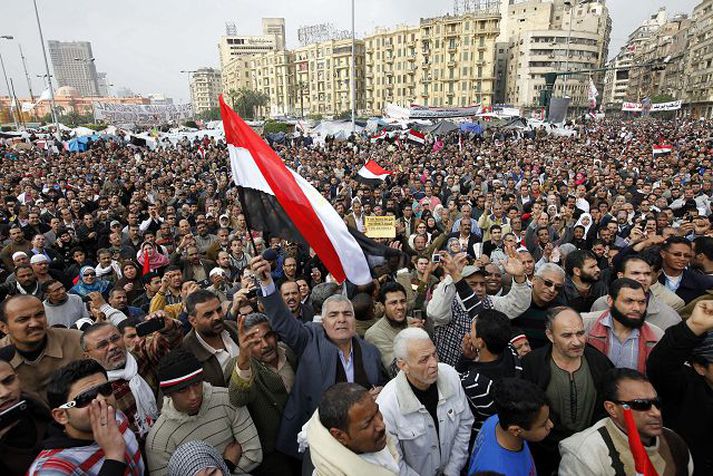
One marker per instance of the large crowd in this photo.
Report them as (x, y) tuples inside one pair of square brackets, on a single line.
[(546, 308)]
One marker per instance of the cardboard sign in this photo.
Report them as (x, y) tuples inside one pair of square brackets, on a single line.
[(380, 227)]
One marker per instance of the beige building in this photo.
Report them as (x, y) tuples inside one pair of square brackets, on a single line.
[(236, 74), (444, 61), (555, 36), (699, 61), (240, 46), (322, 77), (273, 74), (205, 88), (275, 27)]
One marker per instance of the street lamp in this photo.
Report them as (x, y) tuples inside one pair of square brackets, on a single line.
[(569, 4), (47, 68), (7, 83)]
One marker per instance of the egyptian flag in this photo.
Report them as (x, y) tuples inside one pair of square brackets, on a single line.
[(372, 174), (280, 201), (642, 463), (416, 136), (662, 149), (378, 136)]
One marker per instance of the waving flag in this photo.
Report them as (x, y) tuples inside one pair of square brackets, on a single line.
[(416, 136), (662, 149), (642, 463), (372, 173), (378, 136), (280, 201)]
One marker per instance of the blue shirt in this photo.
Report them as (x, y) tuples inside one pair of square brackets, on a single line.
[(488, 455), (622, 354)]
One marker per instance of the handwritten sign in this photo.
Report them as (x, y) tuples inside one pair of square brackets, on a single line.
[(380, 227)]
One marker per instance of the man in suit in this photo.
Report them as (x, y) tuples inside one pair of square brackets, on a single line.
[(688, 284), (465, 237), (356, 218)]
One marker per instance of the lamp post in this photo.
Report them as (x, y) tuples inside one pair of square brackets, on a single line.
[(353, 78), (569, 38), (47, 68), (7, 83), (189, 72)]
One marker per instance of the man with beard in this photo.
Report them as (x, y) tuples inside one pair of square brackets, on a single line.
[(290, 292), (582, 286), (658, 312), (382, 334), (212, 340), (261, 381), (621, 332), (132, 373)]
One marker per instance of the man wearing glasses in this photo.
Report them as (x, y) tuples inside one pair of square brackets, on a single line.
[(96, 438), (40, 350), (133, 374), (546, 285), (688, 284), (604, 448)]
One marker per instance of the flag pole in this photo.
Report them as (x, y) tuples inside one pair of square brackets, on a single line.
[(241, 198)]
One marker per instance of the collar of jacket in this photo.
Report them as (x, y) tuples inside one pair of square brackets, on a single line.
[(408, 402), (201, 352), (600, 331), (53, 348)]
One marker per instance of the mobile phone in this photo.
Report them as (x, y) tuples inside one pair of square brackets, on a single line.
[(436, 258), (12, 414), (151, 325)]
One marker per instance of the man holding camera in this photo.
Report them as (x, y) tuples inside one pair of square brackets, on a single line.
[(133, 374)]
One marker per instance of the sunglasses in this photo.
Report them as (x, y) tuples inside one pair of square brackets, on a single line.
[(89, 274), (550, 284), (85, 398), (641, 405)]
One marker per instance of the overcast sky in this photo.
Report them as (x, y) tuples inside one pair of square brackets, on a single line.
[(143, 44)]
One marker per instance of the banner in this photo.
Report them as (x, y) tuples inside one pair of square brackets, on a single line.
[(660, 107), (380, 227), (150, 114), (425, 112)]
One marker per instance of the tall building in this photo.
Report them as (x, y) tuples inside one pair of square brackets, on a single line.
[(232, 47), (616, 84), (322, 77), (103, 84), (699, 61), (73, 65), (273, 75), (205, 86), (555, 36), (276, 28)]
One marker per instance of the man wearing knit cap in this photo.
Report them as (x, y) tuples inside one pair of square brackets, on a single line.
[(681, 369), (195, 410)]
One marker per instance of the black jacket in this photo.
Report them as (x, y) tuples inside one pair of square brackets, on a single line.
[(693, 284), (536, 369), (21, 444), (687, 398)]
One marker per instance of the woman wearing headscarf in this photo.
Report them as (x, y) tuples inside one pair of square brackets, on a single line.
[(131, 280), (150, 258), (88, 282)]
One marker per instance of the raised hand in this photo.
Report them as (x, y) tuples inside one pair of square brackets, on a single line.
[(701, 320), (106, 430)]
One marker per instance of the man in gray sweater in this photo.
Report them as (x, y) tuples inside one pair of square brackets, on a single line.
[(62, 308)]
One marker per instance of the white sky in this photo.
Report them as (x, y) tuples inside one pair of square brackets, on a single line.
[(143, 44)]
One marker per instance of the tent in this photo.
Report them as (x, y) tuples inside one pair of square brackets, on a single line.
[(472, 127), (440, 128), (81, 144)]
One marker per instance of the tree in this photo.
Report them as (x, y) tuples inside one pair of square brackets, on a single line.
[(658, 99), (212, 114), (247, 101)]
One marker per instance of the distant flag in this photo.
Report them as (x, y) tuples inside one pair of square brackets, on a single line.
[(415, 136), (201, 151), (661, 149), (592, 95), (372, 173), (642, 463), (278, 200), (378, 136)]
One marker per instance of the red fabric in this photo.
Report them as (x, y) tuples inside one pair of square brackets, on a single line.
[(288, 193), (147, 264), (642, 463)]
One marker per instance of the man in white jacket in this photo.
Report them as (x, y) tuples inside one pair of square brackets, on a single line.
[(425, 409)]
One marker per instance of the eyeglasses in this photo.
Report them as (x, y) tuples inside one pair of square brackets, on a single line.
[(640, 404), (103, 344), (85, 398), (551, 284)]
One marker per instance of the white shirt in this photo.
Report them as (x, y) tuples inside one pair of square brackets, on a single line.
[(223, 355)]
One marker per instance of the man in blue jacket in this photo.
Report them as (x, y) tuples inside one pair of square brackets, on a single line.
[(328, 354)]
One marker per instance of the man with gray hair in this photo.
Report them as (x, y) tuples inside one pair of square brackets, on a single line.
[(319, 294), (425, 408), (549, 279), (329, 353), (262, 378)]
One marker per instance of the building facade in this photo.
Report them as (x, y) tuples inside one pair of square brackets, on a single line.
[(275, 27), (322, 77), (240, 46), (555, 36), (205, 87), (699, 61), (73, 65), (273, 74)]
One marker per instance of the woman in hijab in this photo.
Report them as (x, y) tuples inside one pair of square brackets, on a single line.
[(151, 259), (131, 280), (88, 282)]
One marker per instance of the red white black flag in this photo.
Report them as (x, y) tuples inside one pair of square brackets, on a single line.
[(659, 150), (372, 173), (280, 201), (416, 136)]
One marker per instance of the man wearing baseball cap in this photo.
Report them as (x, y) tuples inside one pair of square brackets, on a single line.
[(195, 410)]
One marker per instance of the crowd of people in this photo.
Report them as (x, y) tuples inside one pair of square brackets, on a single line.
[(547, 308)]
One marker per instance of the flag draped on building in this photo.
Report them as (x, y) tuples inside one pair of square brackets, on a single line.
[(279, 200), (372, 173)]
